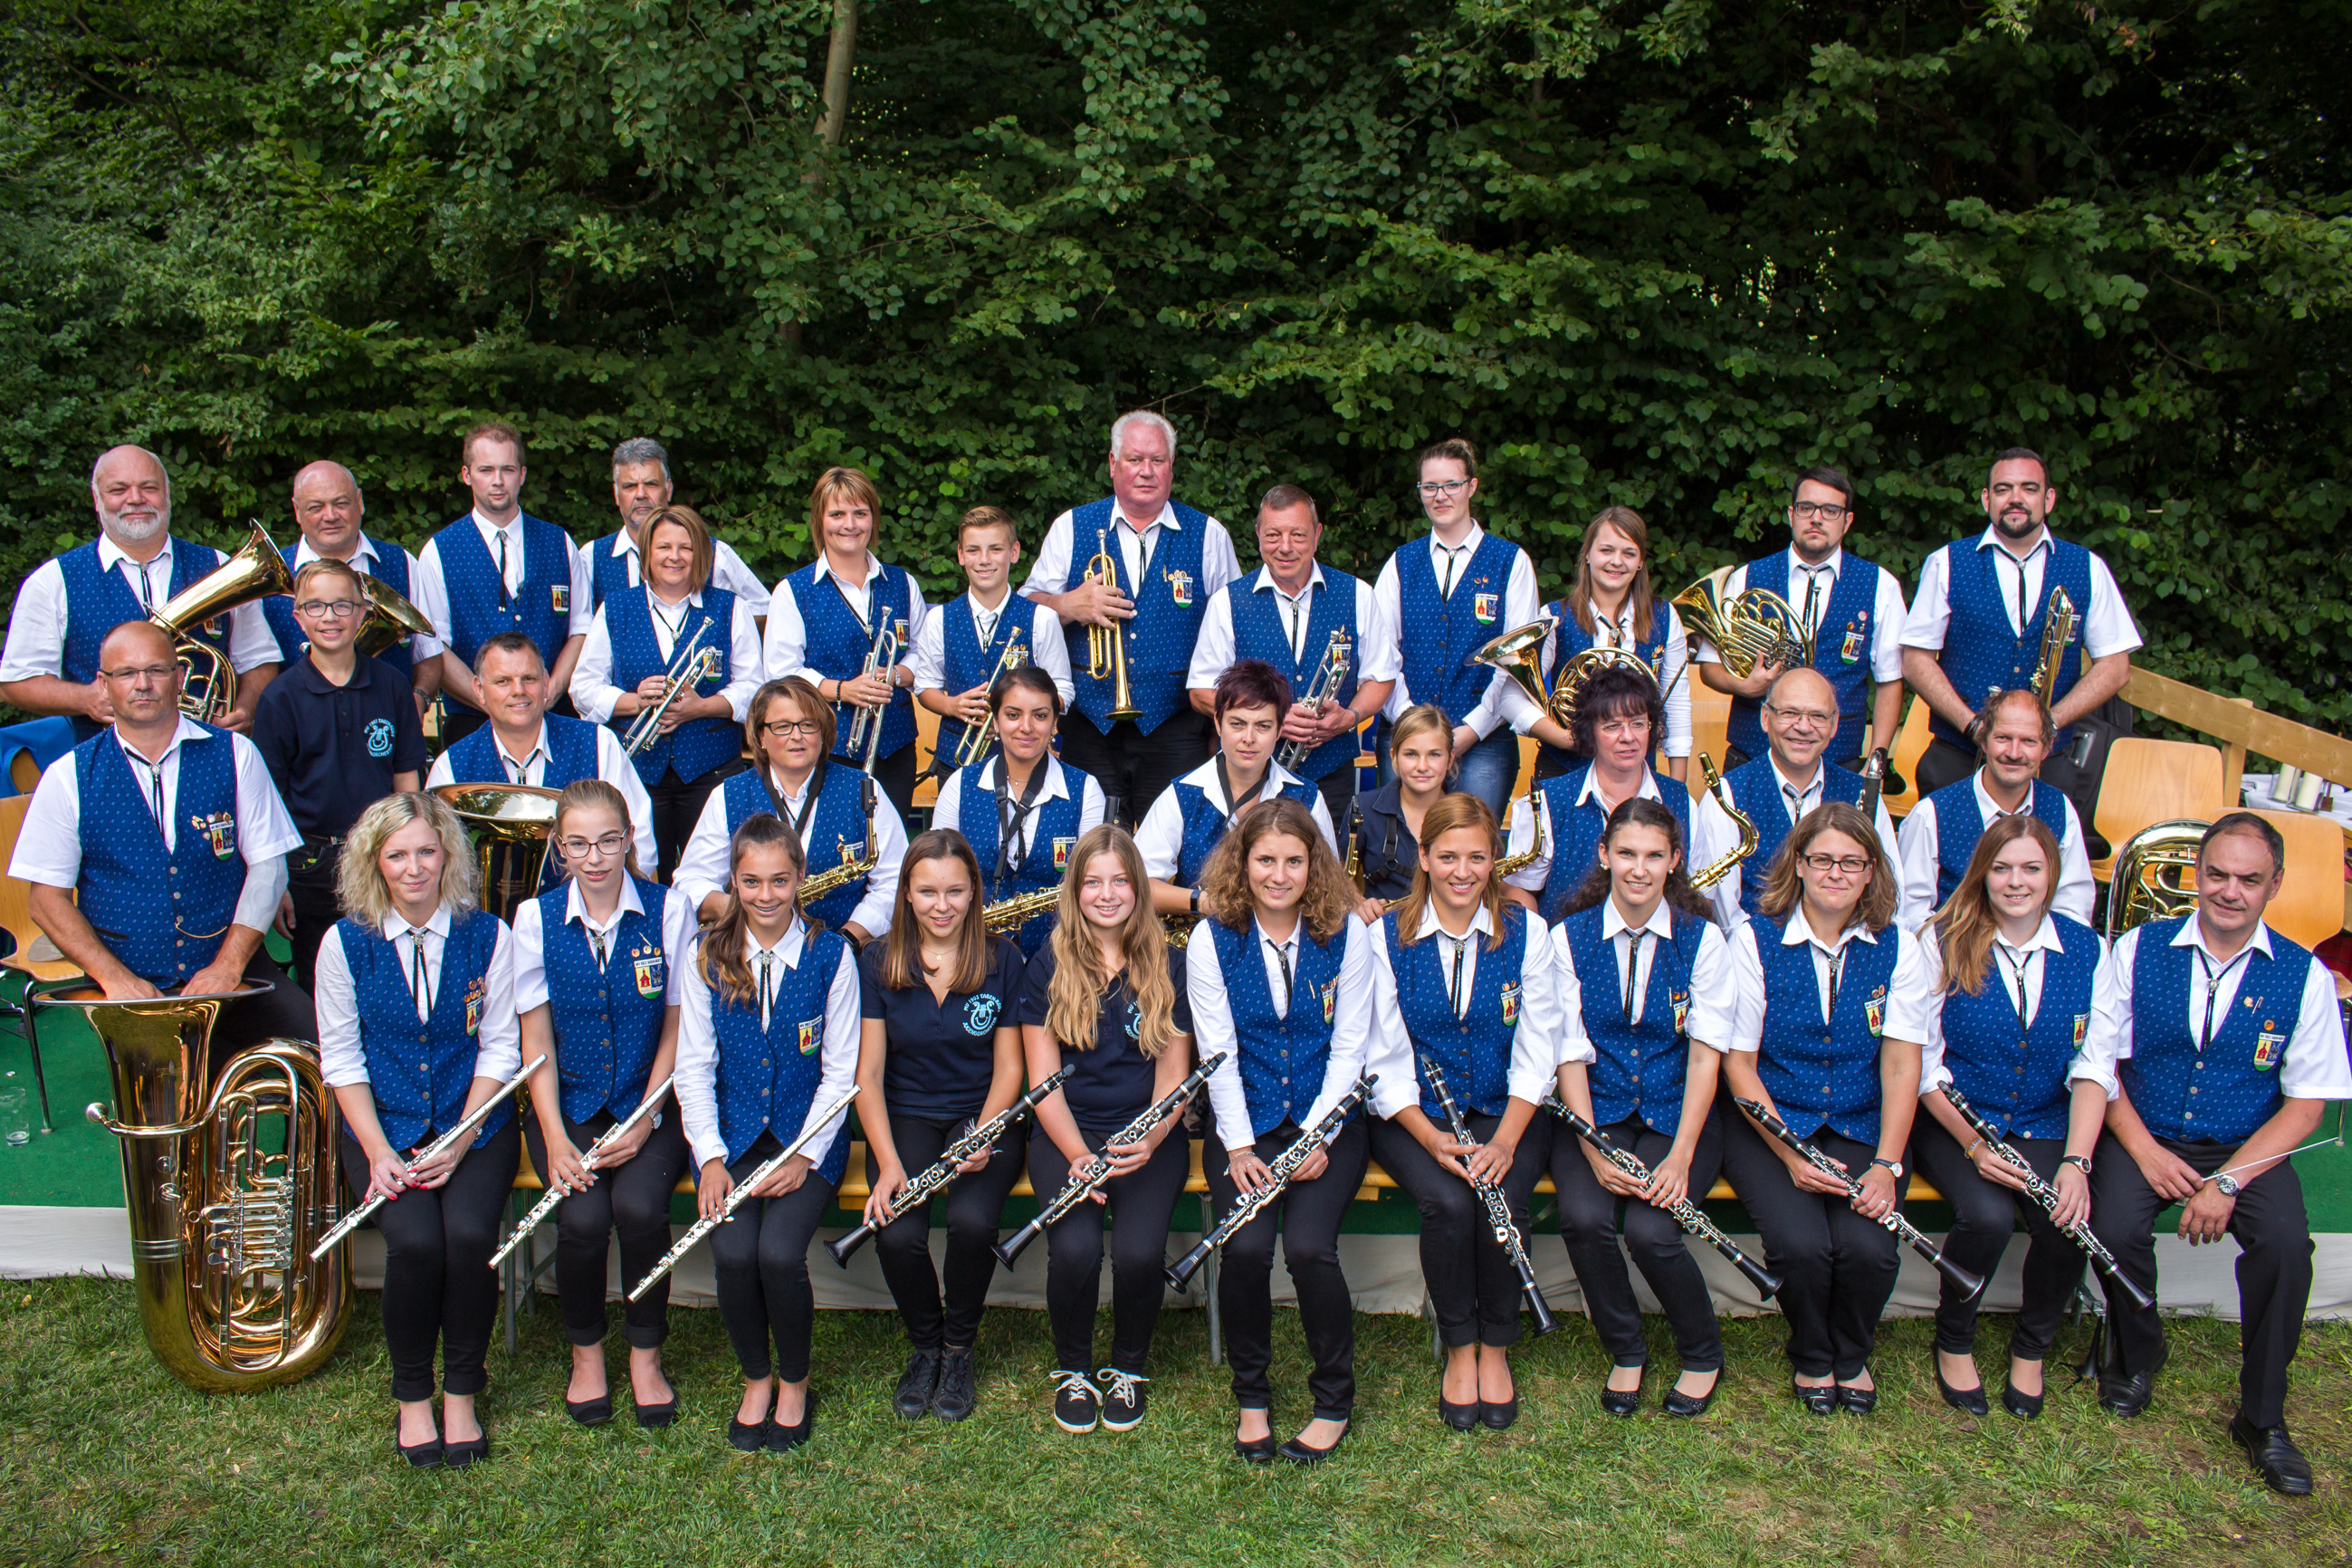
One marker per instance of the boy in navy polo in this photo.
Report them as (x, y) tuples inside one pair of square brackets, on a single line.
[(339, 733)]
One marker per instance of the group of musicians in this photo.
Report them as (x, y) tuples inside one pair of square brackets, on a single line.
[(738, 932)]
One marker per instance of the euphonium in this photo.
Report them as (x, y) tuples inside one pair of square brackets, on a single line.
[(978, 738), (1755, 626), (2156, 875), (390, 617), (511, 824), (689, 667), (227, 1191), (1716, 869), (1330, 676), (208, 682), (1107, 645)]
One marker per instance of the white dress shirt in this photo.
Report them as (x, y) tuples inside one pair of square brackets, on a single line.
[(1711, 975), (1160, 837), (697, 1083), (1055, 785), (1520, 711), (48, 845), (703, 867), (1884, 648), (1920, 1017), (498, 1040), (612, 765), (593, 695), (1534, 1042), (1212, 1021), (37, 622), (727, 570), (678, 929), (1049, 650), (1533, 875), (1521, 603), (372, 552), (2314, 1066), (1374, 650), (1714, 834), (2108, 626), (1732, 1016), (786, 652), (1055, 571), (432, 587), (1917, 845)]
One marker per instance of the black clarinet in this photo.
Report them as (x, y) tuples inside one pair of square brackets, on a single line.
[(1686, 1213), (1084, 1180), (1971, 1285), (1498, 1207), (1286, 1165), (2042, 1193), (941, 1172)]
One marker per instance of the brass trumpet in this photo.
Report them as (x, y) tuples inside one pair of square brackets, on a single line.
[(978, 738), (1107, 645), (1716, 869), (1755, 626), (208, 681), (689, 667)]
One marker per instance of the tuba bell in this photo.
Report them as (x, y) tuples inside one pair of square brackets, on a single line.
[(511, 824), (390, 618), (1755, 626), (2156, 875), (208, 682), (228, 1191)]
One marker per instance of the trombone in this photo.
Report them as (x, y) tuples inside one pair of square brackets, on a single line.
[(1107, 645), (689, 667), (978, 738), (1330, 676), (866, 730)]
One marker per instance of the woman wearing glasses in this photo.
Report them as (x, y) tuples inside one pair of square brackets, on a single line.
[(635, 646), (1617, 723), (596, 980), (829, 808), (1816, 976)]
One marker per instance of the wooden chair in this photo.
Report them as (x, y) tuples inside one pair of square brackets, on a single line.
[(1710, 721), (2147, 782), (31, 955), (2310, 906), (1910, 744)]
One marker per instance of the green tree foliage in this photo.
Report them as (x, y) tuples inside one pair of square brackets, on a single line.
[(1657, 257)]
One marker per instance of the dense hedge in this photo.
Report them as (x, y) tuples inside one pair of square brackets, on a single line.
[(1657, 258)]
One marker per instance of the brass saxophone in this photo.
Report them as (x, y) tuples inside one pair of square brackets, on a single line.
[(1007, 916), (1716, 869), (2057, 631), (853, 867)]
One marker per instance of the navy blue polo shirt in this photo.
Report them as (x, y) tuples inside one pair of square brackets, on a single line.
[(332, 750), (1110, 1085), (942, 1056)]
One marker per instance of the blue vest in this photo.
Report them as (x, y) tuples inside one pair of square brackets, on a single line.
[(836, 825), (768, 1078), (480, 608), (1823, 1073), (98, 601), (698, 745), (1261, 630), (1282, 1058), (1958, 826), (1637, 1068), (1756, 790), (419, 1073), (1204, 824), (608, 574), (570, 754), (390, 568), (125, 867), (1840, 652), (608, 1021), (964, 663), (1473, 1051), (2015, 1076), (1576, 832), (1570, 639), (1049, 834), (1442, 633), (1981, 655), (1168, 611), (838, 643), (2224, 1093)]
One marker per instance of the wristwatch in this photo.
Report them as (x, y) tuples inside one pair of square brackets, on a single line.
[(2226, 1184), (1196, 900), (1893, 1167), (2080, 1162)]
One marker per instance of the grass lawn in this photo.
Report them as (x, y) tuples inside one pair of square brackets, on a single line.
[(104, 1458)]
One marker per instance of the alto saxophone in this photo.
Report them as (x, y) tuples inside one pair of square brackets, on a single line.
[(1006, 916), (853, 866), (1716, 869)]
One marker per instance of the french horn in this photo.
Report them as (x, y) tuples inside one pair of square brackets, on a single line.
[(1753, 627), (207, 681)]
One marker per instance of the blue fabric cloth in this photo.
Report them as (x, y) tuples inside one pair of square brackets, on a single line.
[(1823, 1073), (125, 867), (1204, 824), (2224, 1093), (1262, 631), (1981, 655), (697, 745), (480, 606), (570, 754), (43, 739), (940, 1059), (838, 827), (388, 566), (1756, 790), (768, 1077), (1959, 825), (420, 1073), (1168, 610), (2015, 1076), (964, 663), (1638, 1069), (1049, 834), (1441, 632), (98, 601), (1840, 652), (1473, 1051), (1576, 832), (608, 573), (1282, 1058), (607, 1021), (838, 643), (1570, 639)]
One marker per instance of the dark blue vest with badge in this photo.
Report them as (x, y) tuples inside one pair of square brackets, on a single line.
[(419, 1074), (838, 643), (1168, 610), (1441, 631), (698, 745), (1260, 631), (1638, 1069), (125, 867), (1473, 1051), (1282, 1057), (1840, 652), (1756, 790), (837, 828), (1575, 846), (481, 607), (768, 1077), (98, 600), (965, 662), (570, 754), (1204, 824), (2225, 1093), (1048, 836), (1823, 1073), (608, 1021), (1981, 655), (2015, 1075), (1960, 824)]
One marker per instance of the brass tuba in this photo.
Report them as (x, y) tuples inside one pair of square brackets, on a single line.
[(208, 682), (2156, 875), (390, 617), (511, 824), (1755, 626), (227, 1193)]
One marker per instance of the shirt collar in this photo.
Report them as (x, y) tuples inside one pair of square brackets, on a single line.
[(998, 608), (872, 568), (1661, 923), (1649, 790), (1051, 787), (1167, 517), (622, 544), (1833, 566), (1989, 808), (395, 926), (304, 555), (2193, 934), (1481, 921), (1278, 778), (573, 909), (189, 729), (1990, 539), (693, 599), (776, 782), (1287, 944), (2043, 940), (789, 947), (316, 683), (1798, 931), (491, 529), (111, 554), (1266, 581), (1820, 774), (537, 745), (1470, 542)]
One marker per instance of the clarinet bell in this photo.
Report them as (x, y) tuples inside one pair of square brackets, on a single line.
[(1971, 1285), (1767, 1283), (2140, 1300), (1545, 1321), (845, 1246), (1180, 1272), (1008, 1251)]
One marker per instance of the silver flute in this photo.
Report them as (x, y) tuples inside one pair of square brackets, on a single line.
[(447, 1142), (1087, 1179), (557, 1192), (1330, 676), (1285, 1166), (736, 1197), (941, 1172), (689, 668)]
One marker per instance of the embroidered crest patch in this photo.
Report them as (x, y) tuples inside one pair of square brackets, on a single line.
[(1511, 1003), (219, 828), (1134, 1021), (379, 737), (980, 1012), (2082, 1027), (811, 1035), (1873, 1011), (2268, 1049), (1062, 848), (1330, 999), (1851, 648), (1179, 588), (649, 974), (559, 598), (478, 995), (1482, 605), (1681, 999)]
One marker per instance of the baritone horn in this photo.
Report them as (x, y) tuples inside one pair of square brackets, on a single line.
[(227, 1191), (2156, 875), (511, 824), (1107, 645), (208, 680)]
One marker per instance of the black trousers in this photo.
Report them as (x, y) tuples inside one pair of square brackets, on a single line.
[(1309, 1214), (677, 805), (1984, 1216), (2273, 1235), (1836, 1268), (1141, 1206), (760, 1260), (893, 775), (974, 1204), (438, 1285), (1473, 1288), (1592, 1218), (633, 1198), (1338, 788), (1133, 767), (284, 1012), (311, 873)]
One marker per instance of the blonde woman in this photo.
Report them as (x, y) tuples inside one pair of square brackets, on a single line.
[(416, 1026), (1106, 997), (1387, 827)]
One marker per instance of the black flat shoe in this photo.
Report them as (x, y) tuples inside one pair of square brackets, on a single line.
[(1861, 1401), (658, 1417), (591, 1411), (424, 1456), (1461, 1417), (1299, 1453), (1820, 1401), (1499, 1417), (2024, 1406), (1621, 1401), (783, 1440), (465, 1454), (2276, 1457), (1969, 1400), (1676, 1402), (1254, 1450), (747, 1436)]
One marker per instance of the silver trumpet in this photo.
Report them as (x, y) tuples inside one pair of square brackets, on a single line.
[(689, 667), (1330, 676), (866, 730), (978, 738)]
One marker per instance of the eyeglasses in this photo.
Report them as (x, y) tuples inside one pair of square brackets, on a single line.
[(1618, 729), (1851, 865), (338, 608), (1431, 488), (611, 847), (1811, 717), (143, 674), (785, 729), (1827, 511)]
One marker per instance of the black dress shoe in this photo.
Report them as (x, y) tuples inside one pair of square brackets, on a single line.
[(783, 1440), (1676, 1402), (1820, 1400), (2128, 1396), (1461, 1417), (917, 1384), (1621, 1401), (1299, 1453), (591, 1411), (1254, 1450), (2276, 1459), (1969, 1400), (424, 1456), (1499, 1417), (2024, 1406), (1861, 1401), (958, 1390), (464, 1455)]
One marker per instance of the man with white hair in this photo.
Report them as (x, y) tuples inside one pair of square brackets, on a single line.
[(66, 605), (330, 510), (641, 486), (1171, 561)]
